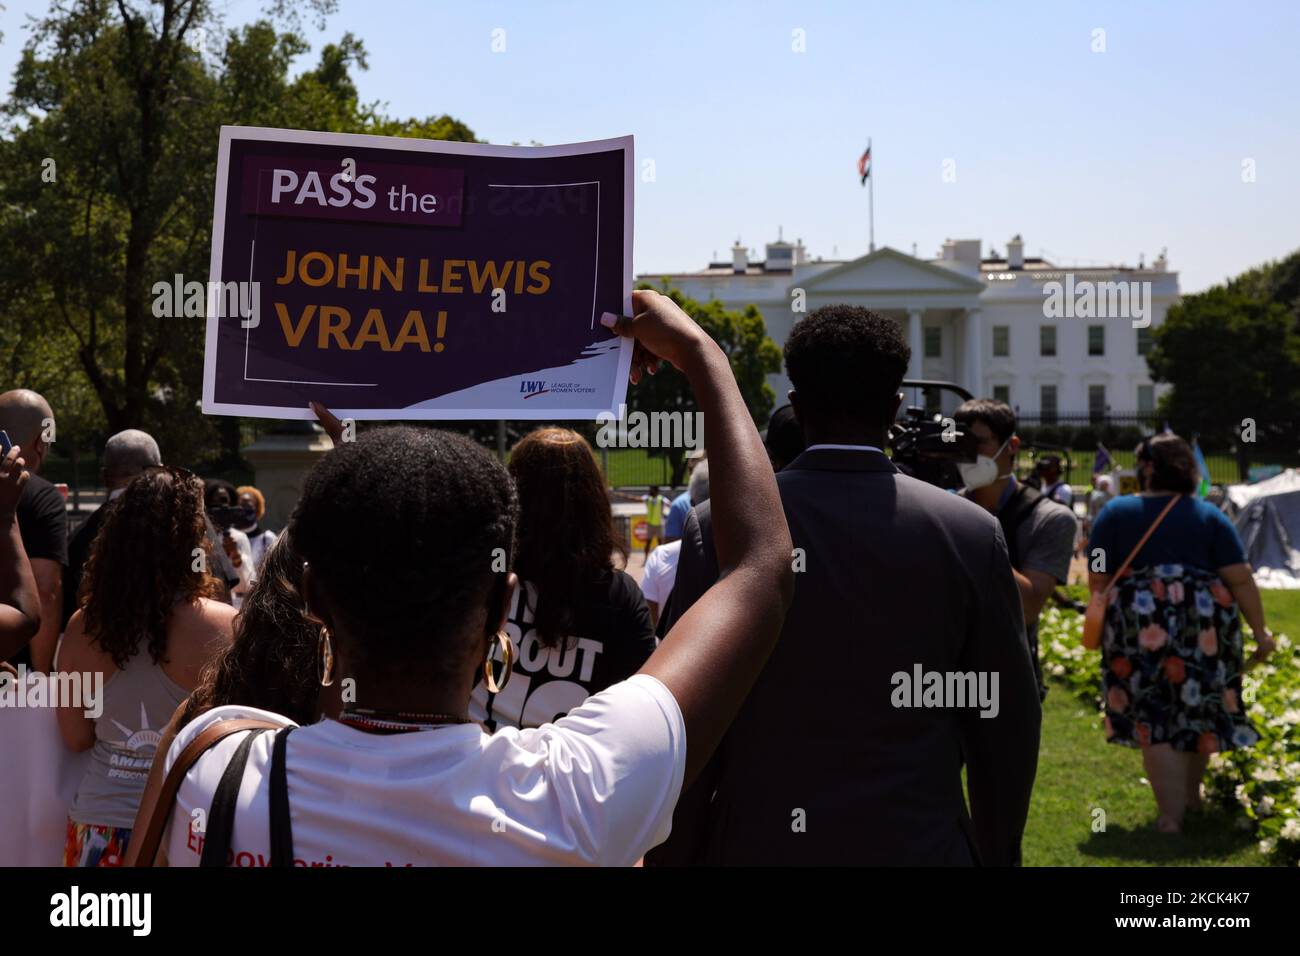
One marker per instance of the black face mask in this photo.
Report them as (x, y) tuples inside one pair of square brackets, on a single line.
[(247, 521)]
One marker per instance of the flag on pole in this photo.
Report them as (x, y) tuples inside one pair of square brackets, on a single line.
[(1101, 460), (1202, 486), (864, 165)]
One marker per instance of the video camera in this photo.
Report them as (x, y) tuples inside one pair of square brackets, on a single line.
[(927, 445), (225, 517)]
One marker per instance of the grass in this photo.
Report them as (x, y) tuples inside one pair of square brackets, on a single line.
[(1078, 772), (634, 466)]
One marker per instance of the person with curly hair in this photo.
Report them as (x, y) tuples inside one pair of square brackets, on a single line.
[(271, 664), (146, 627)]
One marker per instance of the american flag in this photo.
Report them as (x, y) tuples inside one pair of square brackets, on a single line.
[(864, 165)]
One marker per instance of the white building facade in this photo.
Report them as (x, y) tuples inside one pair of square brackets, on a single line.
[(1048, 340)]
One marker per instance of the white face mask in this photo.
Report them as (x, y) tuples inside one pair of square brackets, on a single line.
[(982, 471)]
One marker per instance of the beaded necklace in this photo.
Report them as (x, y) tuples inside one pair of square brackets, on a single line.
[(397, 722)]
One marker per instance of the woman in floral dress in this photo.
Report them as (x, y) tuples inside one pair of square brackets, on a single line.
[(1172, 647)]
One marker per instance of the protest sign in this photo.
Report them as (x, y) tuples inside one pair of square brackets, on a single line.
[(394, 278)]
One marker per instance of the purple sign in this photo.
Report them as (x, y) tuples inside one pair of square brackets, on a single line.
[(394, 278)]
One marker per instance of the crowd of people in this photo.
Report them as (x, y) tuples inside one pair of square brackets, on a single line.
[(443, 659)]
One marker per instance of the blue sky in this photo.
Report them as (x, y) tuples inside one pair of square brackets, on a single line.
[(1093, 157)]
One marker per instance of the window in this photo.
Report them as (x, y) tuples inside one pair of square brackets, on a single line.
[(933, 341), (1047, 403), (1001, 341), (1096, 403), (1146, 398), (1047, 340), (1144, 341), (1096, 340), (1002, 393)]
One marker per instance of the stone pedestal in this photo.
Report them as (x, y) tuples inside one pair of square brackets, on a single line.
[(281, 460)]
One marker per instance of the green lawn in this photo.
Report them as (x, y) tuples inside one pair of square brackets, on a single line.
[(634, 466), (1079, 772)]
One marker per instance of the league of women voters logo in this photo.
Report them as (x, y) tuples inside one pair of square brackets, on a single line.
[(531, 388)]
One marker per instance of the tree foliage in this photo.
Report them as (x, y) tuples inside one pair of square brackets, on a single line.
[(1232, 353), (753, 355), (107, 164)]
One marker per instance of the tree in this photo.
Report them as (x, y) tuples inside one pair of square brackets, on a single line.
[(107, 163), (1232, 354), (743, 337)]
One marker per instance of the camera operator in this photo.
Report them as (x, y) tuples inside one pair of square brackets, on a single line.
[(1049, 479), (230, 546), (1039, 531)]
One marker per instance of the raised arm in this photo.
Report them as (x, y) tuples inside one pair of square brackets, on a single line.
[(20, 603), (712, 656)]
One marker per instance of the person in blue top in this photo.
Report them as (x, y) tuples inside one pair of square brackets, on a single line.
[(675, 522), (1172, 644)]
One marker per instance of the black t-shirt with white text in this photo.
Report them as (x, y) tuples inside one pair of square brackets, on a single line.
[(43, 523), (612, 637)]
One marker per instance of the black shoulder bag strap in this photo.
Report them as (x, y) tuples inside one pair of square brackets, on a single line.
[(221, 815), (281, 826), (1013, 515)]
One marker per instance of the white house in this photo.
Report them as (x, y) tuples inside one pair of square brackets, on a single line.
[(1049, 340)]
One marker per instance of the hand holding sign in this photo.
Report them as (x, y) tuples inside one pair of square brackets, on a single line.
[(328, 421), (662, 332)]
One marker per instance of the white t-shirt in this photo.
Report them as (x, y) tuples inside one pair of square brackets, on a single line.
[(661, 572), (39, 780), (595, 787), (247, 569), (259, 544)]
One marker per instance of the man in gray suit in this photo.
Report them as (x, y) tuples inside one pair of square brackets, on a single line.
[(902, 657)]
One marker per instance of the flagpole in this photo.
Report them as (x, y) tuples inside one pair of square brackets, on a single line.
[(871, 198)]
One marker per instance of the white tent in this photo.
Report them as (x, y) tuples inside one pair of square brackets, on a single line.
[(1267, 515)]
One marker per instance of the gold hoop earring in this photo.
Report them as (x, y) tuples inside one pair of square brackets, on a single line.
[(507, 663), (325, 658)]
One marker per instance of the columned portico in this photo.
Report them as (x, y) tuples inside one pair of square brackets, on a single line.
[(974, 351), (915, 342)]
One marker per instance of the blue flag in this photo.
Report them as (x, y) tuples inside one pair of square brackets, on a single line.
[(1101, 460), (1202, 486)]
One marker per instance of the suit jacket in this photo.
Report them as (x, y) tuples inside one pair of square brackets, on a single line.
[(824, 765)]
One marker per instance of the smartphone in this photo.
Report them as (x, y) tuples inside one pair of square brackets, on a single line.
[(5, 443)]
